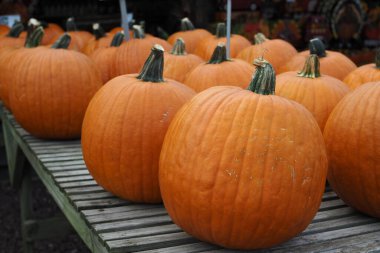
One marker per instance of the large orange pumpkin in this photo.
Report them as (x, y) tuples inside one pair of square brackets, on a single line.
[(12, 39), (190, 35), (242, 168), (52, 90), (353, 146), (178, 64), (220, 71), (333, 63), (206, 47), (319, 94), (127, 120), (364, 74), (276, 51)]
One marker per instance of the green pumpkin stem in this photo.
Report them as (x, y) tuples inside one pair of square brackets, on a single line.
[(179, 47), (377, 58), (16, 30), (98, 31), (317, 47), (138, 32), (154, 66), (70, 25), (264, 79), (35, 38), (221, 30), (63, 42), (219, 55), (260, 38), (311, 67), (186, 25), (117, 39)]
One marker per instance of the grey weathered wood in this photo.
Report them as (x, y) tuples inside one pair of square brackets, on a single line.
[(331, 204), (73, 178), (77, 184), (65, 163), (184, 248), (333, 214), (91, 196), (61, 168), (121, 209), (99, 203), (81, 190), (62, 158), (60, 154), (80, 172)]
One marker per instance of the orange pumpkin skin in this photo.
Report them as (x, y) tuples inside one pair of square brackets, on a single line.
[(51, 103), (13, 38), (239, 170), (352, 141), (51, 31), (222, 72), (4, 29), (178, 64), (319, 94), (276, 51), (129, 117)]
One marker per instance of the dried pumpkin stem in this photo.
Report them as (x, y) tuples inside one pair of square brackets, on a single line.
[(317, 47), (154, 66), (377, 58), (117, 39), (63, 42), (311, 67), (70, 25), (186, 24), (179, 47), (16, 30), (138, 32), (35, 38), (98, 31), (260, 38), (221, 30), (219, 55), (264, 80)]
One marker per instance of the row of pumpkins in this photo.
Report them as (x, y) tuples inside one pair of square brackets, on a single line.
[(241, 164)]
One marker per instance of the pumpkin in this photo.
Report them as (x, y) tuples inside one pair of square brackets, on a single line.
[(178, 64), (12, 39), (52, 90), (352, 141), (4, 29), (220, 71), (51, 30), (319, 94), (242, 168), (332, 63), (100, 39), (206, 47), (128, 119), (130, 56), (278, 52), (104, 57), (364, 74), (190, 35)]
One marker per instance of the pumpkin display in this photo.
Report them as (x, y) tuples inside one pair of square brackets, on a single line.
[(100, 39), (332, 63), (190, 35), (12, 39), (178, 64), (352, 142), (364, 74), (206, 47), (52, 90), (104, 57), (4, 29), (242, 168), (318, 93), (127, 119), (220, 71), (51, 30), (276, 51)]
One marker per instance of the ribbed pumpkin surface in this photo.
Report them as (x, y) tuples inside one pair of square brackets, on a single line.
[(364, 74)]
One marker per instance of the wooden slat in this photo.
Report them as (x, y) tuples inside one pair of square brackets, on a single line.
[(65, 163), (66, 168), (91, 196), (333, 214), (80, 172), (121, 209), (73, 179), (99, 203), (61, 154), (184, 248), (331, 204), (81, 190), (62, 158)]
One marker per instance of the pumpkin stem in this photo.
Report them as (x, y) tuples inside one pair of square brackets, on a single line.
[(179, 47), (162, 33), (219, 55), (142, 24), (260, 38), (63, 42), (377, 58), (16, 30), (264, 79), (311, 67), (138, 32), (317, 47), (221, 30), (98, 31), (35, 38), (117, 39), (70, 25), (186, 25), (154, 66)]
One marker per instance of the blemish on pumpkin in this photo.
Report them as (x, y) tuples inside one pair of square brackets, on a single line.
[(164, 116)]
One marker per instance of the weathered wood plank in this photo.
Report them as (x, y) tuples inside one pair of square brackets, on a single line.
[(81, 190), (333, 214), (102, 211), (66, 168), (65, 163), (78, 184), (185, 248), (99, 203), (73, 178), (62, 158), (68, 153), (91, 196), (329, 196), (80, 172), (44, 151), (331, 204)]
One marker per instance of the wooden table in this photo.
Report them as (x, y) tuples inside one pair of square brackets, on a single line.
[(109, 224)]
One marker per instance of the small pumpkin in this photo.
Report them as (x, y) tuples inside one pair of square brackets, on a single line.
[(100, 39), (178, 64), (52, 90), (190, 35), (206, 47), (51, 30), (276, 51), (333, 63), (128, 119), (318, 93), (364, 74), (220, 71), (352, 140), (242, 168), (12, 39), (4, 29)]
